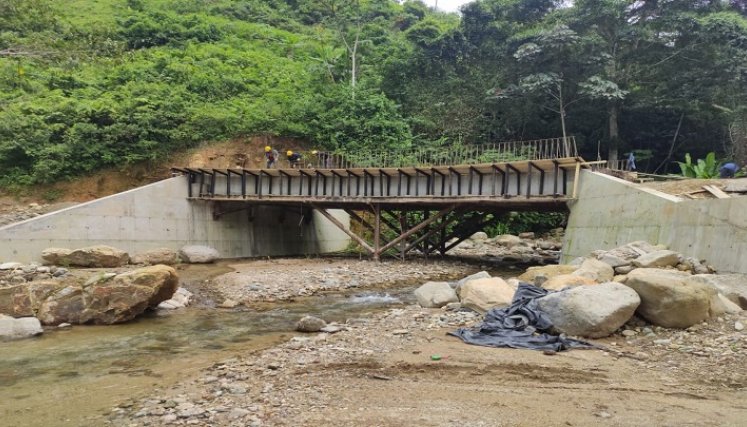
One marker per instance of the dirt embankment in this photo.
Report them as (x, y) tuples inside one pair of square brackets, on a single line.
[(241, 152)]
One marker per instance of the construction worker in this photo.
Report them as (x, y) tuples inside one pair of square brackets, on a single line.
[(271, 156), (728, 170), (293, 158), (323, 159)]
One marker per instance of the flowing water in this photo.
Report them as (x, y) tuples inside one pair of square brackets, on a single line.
[(71, 377)]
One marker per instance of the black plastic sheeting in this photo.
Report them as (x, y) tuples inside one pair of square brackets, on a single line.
[(520, 325)]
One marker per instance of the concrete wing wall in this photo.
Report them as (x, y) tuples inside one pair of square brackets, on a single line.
[(610, 212), (159, 215)]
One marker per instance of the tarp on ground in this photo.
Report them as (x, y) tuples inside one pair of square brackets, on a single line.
[(520, 325)]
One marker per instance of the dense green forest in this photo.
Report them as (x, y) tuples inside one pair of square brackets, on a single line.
[(86, 84)]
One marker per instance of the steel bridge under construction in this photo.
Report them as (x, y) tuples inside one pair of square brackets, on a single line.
[(427, 206)]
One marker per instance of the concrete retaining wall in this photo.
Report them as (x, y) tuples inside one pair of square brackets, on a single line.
[(159, 215), (611, 212)]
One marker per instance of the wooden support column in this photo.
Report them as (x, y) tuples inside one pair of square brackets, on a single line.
[(403, 227), (377, 232), (417, 228), (555, 174), (339, 225)]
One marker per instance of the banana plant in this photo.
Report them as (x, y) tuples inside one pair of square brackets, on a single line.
[(703, 169)]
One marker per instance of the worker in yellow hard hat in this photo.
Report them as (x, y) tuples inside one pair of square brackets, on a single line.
[(271, 156), (293, 158)]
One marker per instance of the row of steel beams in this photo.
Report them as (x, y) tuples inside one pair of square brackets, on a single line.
[(349, 183)]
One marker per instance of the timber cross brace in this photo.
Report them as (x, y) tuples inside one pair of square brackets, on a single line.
[(399, 232)]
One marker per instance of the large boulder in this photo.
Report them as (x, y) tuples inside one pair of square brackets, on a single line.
[(195, 254), (478, 275), (92, 256), (109, 298), (12, 328), (590, 311), (596, 270), (435, 295), (164, 256), (563, 281), (732, 286), (668, 299), (656, 259), (104, 299), (548, 271), (483, 294)]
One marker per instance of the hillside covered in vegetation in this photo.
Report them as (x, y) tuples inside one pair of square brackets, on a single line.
[(87, 84)]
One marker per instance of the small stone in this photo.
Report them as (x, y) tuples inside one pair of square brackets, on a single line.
[(228, 303), (603, 414), (170, 418), (310, 324), (400, 332), (738, 326), (629, 333)]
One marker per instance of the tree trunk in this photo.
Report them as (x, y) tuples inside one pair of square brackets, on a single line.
[(612, 153), (562, 111)]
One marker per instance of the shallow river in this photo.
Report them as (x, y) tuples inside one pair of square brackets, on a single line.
[(72, 377), (75, 377)]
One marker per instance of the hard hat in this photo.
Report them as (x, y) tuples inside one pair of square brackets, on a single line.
[(314, 152), (289, 153), (268, 148)]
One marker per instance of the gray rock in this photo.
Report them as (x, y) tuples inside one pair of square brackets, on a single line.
[(624, 269), (591, 311), (24, 327), (657, 259), (668, 299), (10, 265), (310, 324), (196, 254), (614, 261), (527, 235), (156, 256), (92, 256), (595, 270), (508, 240), (732, 286), (435, 295), (480, 235)]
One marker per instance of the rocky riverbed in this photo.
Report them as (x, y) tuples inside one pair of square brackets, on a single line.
[(399, 368)]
